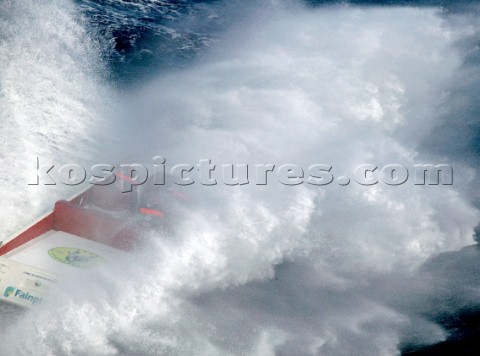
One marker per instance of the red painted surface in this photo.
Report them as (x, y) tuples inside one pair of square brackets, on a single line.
[(31, 233), (72, 217), (124, 177), (93, 225), (154, 212)]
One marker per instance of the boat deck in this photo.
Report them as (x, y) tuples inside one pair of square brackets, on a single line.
[(61, 253)]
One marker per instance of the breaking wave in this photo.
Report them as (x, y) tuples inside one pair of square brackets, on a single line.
[(272, 270)]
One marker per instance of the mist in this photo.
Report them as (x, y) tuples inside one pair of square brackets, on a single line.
[(253, 270)]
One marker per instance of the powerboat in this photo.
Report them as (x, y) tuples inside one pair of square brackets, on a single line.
[(89, 229)]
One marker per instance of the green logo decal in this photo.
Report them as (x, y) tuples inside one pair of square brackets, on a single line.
[(8, 292), (75, 257)]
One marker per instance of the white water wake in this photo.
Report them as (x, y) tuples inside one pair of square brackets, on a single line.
[(52, 102), (281, 270)]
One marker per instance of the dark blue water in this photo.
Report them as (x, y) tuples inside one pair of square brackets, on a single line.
[(142, 35)]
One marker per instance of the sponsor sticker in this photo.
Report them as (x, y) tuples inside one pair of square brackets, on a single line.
[(75, 257), (25, 297)]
